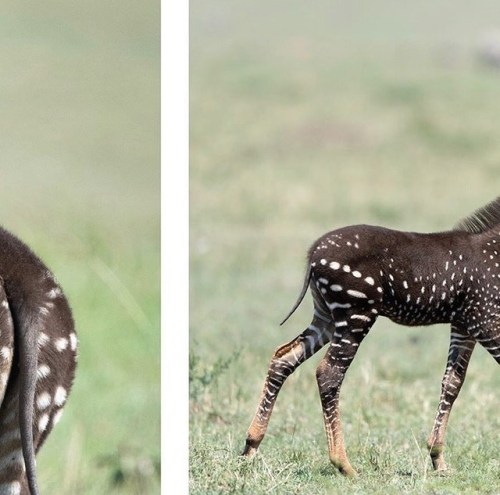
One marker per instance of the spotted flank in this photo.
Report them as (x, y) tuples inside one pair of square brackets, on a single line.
[(359, 273)]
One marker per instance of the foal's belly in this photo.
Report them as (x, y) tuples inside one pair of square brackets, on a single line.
[(406, 313)]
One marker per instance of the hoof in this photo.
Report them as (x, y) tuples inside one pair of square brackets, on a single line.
[(437, 456), (249, 451), (439, 465), (344, 468), (443, 472), (348, 471)]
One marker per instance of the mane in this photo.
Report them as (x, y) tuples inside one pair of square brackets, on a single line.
[(481, 220)]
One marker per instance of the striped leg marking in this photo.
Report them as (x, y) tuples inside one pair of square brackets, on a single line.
[(284, 362), (461, 347), (11, 458), (490, 340), (12, 467), (330, 373), (6, 342)]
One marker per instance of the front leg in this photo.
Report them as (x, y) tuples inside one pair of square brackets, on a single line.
[(461, 347)]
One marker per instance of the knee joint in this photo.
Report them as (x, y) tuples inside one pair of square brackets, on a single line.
[(323, 368), (284, 349)]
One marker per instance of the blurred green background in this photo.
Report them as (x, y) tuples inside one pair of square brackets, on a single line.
[(305, 117), (80, 184)]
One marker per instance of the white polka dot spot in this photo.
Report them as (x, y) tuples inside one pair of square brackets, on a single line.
[(43, 401), (60, 396), (61, 344)]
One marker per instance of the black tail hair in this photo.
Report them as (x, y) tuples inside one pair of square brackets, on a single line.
[(307, 279), (28, 358)]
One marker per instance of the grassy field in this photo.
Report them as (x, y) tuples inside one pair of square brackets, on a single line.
[(307, 117), (80, 184)]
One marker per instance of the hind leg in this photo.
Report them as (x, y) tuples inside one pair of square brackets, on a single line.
[(489, 338), (284, 362), (11, 458), (461, 347), (350, 331), (6, 343)]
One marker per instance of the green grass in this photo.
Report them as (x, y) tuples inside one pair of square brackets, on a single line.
[(305, 118), (80, 184)]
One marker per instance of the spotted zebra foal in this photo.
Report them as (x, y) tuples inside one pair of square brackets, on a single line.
[(359, 273), (37, 361)]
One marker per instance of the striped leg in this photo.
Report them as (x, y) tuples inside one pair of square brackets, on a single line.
[(490, 340), (461, 347), (6, 343), (11, 458), (12, 478), (284, 362), (12, 467), (350, 331)]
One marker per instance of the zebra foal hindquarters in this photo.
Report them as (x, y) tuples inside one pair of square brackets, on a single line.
[(38, 347), (359, 273)]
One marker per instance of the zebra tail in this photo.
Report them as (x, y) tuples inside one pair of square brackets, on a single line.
[(27, 335), (307, 279)]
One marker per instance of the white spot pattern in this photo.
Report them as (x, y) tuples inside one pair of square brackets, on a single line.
[(61, 344), (57, 417), (43, 401), (43, 422), (456, 288), (73, 340), (43, 338), (6, 353), (10, 488), (43, 371), (60, 396)]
